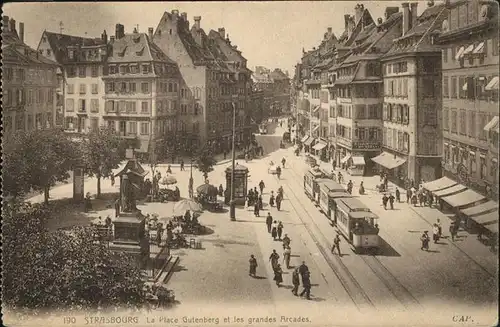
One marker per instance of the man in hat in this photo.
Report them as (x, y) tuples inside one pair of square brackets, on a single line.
[(295, 281), (306, 283), (336, 244), (269, 222)]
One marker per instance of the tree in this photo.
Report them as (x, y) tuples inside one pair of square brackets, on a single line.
[(205, 161), (37, 160), (66, 270), (102, 150)]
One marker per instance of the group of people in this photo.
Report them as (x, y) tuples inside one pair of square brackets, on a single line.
[(420, 196), (254, 198), (436, 234)]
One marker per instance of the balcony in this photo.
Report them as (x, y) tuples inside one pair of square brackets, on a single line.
[(82, 112)]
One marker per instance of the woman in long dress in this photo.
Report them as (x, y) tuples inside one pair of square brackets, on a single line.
[(274, 230), (253, 266), (278, 275)]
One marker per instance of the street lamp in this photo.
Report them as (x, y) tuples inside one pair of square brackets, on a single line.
[(232, 205)]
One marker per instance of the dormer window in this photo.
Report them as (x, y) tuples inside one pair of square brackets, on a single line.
[(71, 54), (146, 69), (137, 39)]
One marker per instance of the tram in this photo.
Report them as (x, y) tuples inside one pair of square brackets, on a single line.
[(357, 224), (311, 188), (330, 208), (326, 186)]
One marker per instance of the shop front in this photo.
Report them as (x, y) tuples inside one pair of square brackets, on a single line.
[(356, 165), (394, 166), (308, 144), (320, 149)]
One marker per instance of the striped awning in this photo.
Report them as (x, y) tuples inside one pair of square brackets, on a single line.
[(492, 125), (388, 160), (493, 84)]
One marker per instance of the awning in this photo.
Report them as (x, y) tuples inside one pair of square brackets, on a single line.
[(343, 160), (463, 198), (479, 48), (480, 209), (493, 84), (469, 49), (304, 139), (358, 161), (316, 108), (493, 123), (309, 141), (492, 228), (459, 53), (315, 128), (388, 160), (487, 218), (450, 190), (319, 146), (439, 184)]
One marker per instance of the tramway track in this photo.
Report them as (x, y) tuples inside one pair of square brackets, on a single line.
[(347, 280), (398, 290)]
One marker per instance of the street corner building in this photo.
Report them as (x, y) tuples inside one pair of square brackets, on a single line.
[(29, 84)]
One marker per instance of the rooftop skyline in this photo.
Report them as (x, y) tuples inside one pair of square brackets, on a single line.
[(270, 34)]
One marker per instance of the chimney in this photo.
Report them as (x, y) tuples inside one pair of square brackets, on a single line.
[(329, 30), (175, 12), (406, 17), (135, 30), (227, 39), (111, 39), (346, 22), (150, 32), (21, 32), (117, 31), (358, 12), (389, 11), (413, 14), (197, 20), (222, 32), (104, 37), (12, 25), (184, 16), (5, 23)]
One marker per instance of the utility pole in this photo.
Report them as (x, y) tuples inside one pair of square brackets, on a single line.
[(232, 208)]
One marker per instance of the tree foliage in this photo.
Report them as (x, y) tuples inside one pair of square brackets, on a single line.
[(102, 150), (205, 161), (37, 160), (63, 270)]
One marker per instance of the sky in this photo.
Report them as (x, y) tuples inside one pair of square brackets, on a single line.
[(270, 34)]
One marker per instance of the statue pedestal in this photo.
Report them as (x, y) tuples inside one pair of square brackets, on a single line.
[(130, 237)]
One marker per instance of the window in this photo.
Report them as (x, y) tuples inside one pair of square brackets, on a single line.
[(145, 128), (124, 69), (472, 124), (71, 72), (146, 69), (462, 88), (82, 71), (81, 105), (94, 72), (110, 106), (112, 69), (494, 167), (131, 86), (145, 87), (482, 123), (69, 123), (70, 105), (94, 123), (95, 89), (122, 106), (70, 89), (132, 127), (131, 107), (463, 122), (445, 55), (446, 87), (446, 119), (110, 87), (123, 86), (453, 120), (144, 107), (71, 54), (175, 87), (94, 105), (494, 46), (482, 172), (454, 93), (83, 88)]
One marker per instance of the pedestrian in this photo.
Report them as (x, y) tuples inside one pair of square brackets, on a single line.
[(339, 177), (398, 195), (112, 180), (278, 275), (384, 201), (253, 266), (287, 253), (221, 190), (269, 222), (278, 171), (435, 233), (303, 268), (255, 193), (386, 180), (295, 281), (349, 187), (408, 195), (381, 176), (453, 231), (250, 197), (261, 186), (420, 198), (117, 207), (306, 284), (261, 204), (440, 228), (274, 230), (182, 164), (336, 244), (273, 258), (169, 169), (391, 201), (414, 199), (286, 241), (425, 241), (283, 161), (431, 199), (271, 199), (256, 210), (280, 229), (361, 188), (279, 198)]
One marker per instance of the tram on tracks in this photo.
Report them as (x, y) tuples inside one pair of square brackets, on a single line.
[(326, 186), (311, 188), (357, 224)]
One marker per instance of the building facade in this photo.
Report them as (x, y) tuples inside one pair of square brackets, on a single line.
[(281, 92), (469, 41), (143, 91), (412, 98), (29, 83)]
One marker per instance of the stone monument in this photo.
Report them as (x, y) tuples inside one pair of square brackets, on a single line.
[(129, 227)]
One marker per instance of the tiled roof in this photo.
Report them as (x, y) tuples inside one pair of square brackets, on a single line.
[(278, 75), (15, 51), (59, 43), (136, 47)]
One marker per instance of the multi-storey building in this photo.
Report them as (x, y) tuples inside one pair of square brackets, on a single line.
[(263, 82), (211, 83), (29, 84), (257, 100), (412, 98), (143, 91), (281, 92), (469, 41), (81, 89), (359, 88)]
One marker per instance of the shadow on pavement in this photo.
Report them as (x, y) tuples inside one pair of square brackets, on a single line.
[(179, 268), (434, 251), (317, 299), (260, 277), (288, 287), (386, 250)]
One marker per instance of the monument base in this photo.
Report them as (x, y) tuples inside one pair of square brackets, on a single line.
[(130, 236)]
